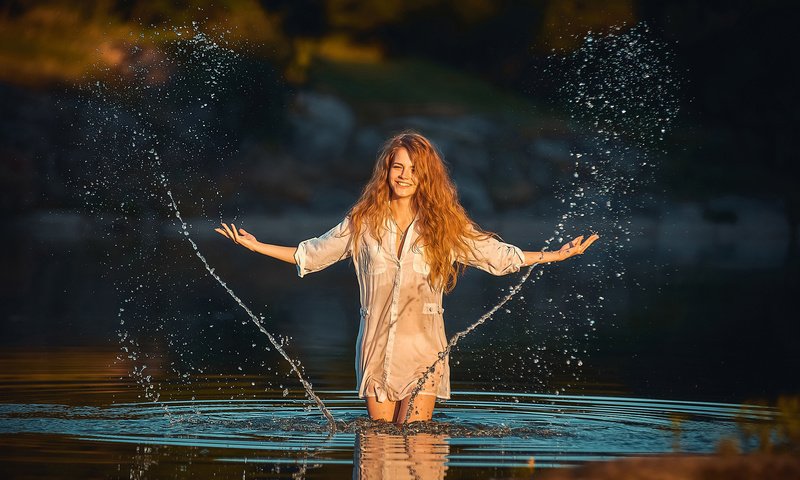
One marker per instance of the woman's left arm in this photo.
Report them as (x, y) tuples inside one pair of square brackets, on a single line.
[(575, 247)]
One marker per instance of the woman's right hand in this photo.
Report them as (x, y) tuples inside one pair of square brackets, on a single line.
[(238, 236)]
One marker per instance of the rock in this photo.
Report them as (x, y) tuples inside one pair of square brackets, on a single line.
[(57, 226), (332, 199), (276, 179), (472, 157), (541, 173), (467, 129), (367, 143), (322, 126), (508, 186), (736, 209), (462, 141), (684, 467), (19, 185), (472, 192), (555, 150)]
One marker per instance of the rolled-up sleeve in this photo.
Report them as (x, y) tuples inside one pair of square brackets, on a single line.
[(315, 254), (494, 256)]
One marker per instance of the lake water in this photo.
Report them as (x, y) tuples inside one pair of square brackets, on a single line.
[(671, 363), (469, 437)]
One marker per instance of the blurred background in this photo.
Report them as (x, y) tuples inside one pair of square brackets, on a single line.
[(270, 114)]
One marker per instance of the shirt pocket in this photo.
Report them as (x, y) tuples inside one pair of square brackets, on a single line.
[(419, 263), (431, 308), (373, 262)]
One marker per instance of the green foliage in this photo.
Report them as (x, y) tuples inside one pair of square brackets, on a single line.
[(403, 84)]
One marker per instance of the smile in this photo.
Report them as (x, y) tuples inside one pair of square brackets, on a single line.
[(403, 184)]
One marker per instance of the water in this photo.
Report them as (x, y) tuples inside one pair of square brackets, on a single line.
[(180, 341), (472, 434), (458, 336), (199, 56), (258, 322), (75, 412), (622, 91)]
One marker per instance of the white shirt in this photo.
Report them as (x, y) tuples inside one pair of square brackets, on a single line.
[(402, 329)]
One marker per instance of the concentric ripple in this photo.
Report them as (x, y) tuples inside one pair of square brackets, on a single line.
[(473, 430)]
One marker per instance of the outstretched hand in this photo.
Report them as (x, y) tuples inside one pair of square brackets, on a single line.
[(239, 237), (577, 246)]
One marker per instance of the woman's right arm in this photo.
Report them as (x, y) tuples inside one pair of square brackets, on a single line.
[(242, 237)]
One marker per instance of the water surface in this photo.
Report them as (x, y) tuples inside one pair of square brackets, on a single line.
[(86, 423)]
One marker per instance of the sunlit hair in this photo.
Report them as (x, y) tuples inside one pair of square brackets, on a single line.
[(442, 223)]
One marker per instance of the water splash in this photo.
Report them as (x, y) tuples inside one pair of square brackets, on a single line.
[(155, 106), (496, 429), (621, 94), (441, 356), (294, 364)]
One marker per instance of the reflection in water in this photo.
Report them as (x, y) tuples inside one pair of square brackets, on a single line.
[(284, 438), (386, 456), (146, 457)]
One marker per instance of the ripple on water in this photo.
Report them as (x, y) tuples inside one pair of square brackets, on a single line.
[(475, 429)]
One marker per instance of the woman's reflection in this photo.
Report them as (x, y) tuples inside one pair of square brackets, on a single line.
[(392, 456)]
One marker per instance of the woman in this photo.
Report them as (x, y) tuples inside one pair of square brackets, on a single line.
[(409, 238)]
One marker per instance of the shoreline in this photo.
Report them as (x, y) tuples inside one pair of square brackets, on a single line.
[(679, 235)]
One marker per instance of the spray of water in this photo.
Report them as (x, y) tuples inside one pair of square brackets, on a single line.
[(441, 356), (153, 78), (621, 94), (294, 364)]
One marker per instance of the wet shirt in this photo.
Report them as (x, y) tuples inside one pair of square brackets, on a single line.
[(402, 329)]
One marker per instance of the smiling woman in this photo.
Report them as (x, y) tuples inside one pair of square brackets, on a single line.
[(402, 180), (409, 238)]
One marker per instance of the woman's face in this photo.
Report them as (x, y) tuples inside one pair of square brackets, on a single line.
[(402, 181)]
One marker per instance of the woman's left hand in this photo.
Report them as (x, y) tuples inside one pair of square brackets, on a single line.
[(576, 246)]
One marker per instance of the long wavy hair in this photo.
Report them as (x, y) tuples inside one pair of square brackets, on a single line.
[(443, 225)]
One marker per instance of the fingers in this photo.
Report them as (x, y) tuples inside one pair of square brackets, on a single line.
[(239, 236), (567, 247), (223, 231), (583, 246), (229, 233), (593, 238), (235, 233), (579, 245)]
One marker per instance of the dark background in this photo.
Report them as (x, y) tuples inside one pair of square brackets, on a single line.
[(704, 310)]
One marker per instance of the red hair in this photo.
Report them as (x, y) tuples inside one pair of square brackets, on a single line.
[(443, 225)]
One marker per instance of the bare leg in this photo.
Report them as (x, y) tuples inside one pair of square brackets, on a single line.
[(386, 410), (423, 409)]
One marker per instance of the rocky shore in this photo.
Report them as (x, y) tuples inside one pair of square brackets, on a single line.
[(685, 467), (63, 184), (679, 234)]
